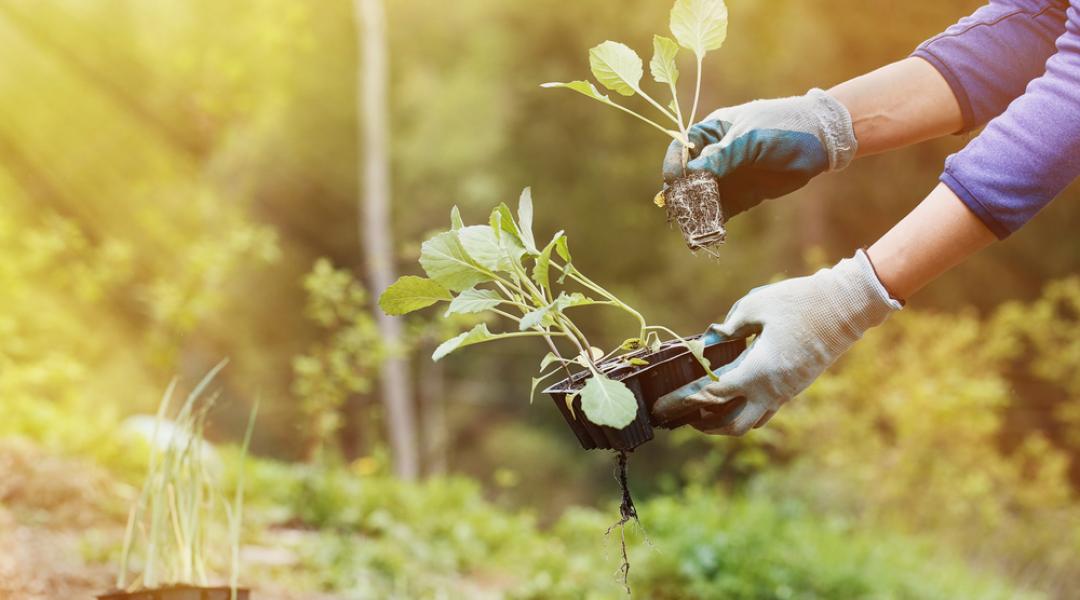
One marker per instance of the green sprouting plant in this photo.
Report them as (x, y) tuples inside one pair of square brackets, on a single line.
[(235, 511), (174, 511), (484, 269), (698, 26)]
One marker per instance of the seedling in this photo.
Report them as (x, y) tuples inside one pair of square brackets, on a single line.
[(174, 514), (698, 26), (498, 269)]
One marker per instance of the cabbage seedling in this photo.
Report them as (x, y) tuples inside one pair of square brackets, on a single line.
[(699, 26), (498, 269)]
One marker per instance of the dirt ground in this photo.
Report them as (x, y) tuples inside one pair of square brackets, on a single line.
[(59, 520), (49, 506)]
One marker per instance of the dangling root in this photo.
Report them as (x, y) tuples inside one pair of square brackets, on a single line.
[(627, 511)]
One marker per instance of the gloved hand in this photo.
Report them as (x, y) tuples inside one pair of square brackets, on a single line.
[(767, 148), (803, 325)]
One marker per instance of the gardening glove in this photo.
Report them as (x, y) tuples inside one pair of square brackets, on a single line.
[(767, 148), (802, 325)]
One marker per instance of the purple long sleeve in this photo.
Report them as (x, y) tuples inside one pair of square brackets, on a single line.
[(988, 58), (1029, 153)]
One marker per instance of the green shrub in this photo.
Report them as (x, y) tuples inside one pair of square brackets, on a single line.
[(380, 538), (906, 432), (708, 546)]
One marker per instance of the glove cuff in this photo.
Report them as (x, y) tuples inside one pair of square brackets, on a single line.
[(862, 296), (837, 131)]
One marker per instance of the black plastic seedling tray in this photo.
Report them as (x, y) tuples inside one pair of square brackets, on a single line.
[(669, 368), (179, 592)]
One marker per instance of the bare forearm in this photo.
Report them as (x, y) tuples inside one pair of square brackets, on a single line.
[(938, 235), (899, 104)]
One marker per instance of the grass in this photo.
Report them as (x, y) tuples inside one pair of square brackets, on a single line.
[(173, 519)]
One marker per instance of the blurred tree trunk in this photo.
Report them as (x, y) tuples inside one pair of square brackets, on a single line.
[(375, 228), (433, 416)]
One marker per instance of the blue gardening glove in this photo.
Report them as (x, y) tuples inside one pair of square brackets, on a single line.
[(767, 148), (803, 325)]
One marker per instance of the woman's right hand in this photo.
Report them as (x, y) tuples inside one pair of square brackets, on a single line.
[(767, 148)]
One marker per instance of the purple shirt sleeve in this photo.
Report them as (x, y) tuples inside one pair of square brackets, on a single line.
[(1031, 152), (990, 56)]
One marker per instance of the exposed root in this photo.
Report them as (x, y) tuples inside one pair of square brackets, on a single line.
[(627, 511), (693, 203)]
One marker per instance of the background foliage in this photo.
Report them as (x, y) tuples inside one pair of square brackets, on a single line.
[(178, 183)]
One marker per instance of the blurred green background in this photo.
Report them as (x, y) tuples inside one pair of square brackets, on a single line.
[(180, 181)]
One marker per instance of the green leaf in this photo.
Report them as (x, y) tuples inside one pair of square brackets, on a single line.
[(570, 404), (608, 402), (638, 362), (455, 219), (411, 293), (595, 354), (495, 222), (547, 360), (562, 248), (535, 318), (445, 260), (699, 25), (631, 344), (481, 245), (543, 262), (571, 300), (532, 391), (652, 341), (473, 301), (563, 301), (525, 219), (617, 67), (536, 381), (542, 266), (506, 222), (491, 252), (475, 335), (697, 348), (662, 66), (502, 222)]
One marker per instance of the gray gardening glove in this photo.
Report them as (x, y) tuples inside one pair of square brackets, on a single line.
[(803, 325), (767, 148)]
